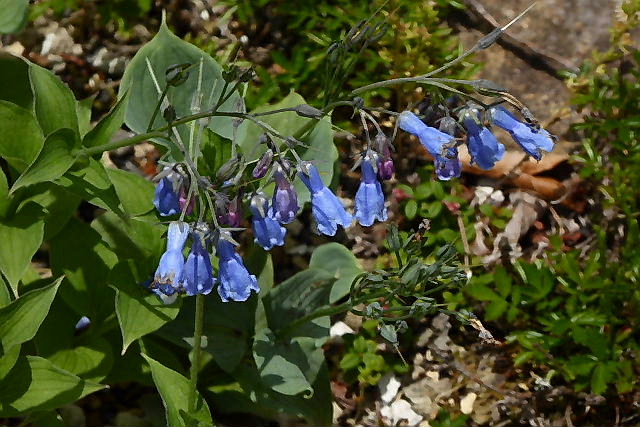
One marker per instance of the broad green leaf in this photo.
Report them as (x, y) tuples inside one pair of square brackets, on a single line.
[(139, 311), (83, 111), (13, 16), (91, 361), (136, 193), (5, 295), (603, 374), (250, 394), (20, 320), (22, 137), (134, 238), (495, 309), (288, 367), (93, 184), (174, 390), (21, 237), (321, 151), (108, 126), (79, 253), (297, 297), (8, 360), (4, 195), (54, 160), (54, 104), (36, 384), (341, 263), (15, 69), (58, 205), (216, 151), (151, 62)]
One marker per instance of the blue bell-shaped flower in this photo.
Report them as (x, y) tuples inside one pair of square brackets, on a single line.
[(285, 200), (268, 232), (167, 197), (325, 206), (236, 283), (531, 139), (169, 272), (197, 275), (484, 147), (448, 166), (369, 198)]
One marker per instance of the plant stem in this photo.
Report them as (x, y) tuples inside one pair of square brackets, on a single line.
[(98, 149), (195, 359)]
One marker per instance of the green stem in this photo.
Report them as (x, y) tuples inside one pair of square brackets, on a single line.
[(157, 109), (195, 359), (98, 149)]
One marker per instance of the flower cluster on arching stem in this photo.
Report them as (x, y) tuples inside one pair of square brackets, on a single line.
[(232, 192)]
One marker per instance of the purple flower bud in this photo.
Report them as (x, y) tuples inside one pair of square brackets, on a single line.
[(197, 275), (236, 283), (325, 206), (285, 200), (183, 201), (268, 232), (448, 166), (169, 271), (263, 165), (531, 139), (369, 198), (233, 215)]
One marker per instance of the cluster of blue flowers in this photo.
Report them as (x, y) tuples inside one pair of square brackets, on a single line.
[(195, 275)]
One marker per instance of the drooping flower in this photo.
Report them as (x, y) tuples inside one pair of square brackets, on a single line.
[(167, 196), (383, 146), (325, 206), (169, 271), (268, 232), (236, 283), (484, 147), (197, 275), (285, 200), (182, 201), (531, 139), (448, 165), (369, 198), (431, 138)]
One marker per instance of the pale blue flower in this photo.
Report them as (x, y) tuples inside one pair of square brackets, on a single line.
[(531, 139), (236, 283), (369, 198), (484, 147)]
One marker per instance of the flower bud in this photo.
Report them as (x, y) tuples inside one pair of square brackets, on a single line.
[(177, 74), (263, 165)]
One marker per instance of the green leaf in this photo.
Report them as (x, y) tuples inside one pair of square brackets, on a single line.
[(5, 295), (482, 293), (495, 309), (174, 390), (139, 238), (5, 202), (53, 161), (13, 16), (340, 263), (109, 125), (15, 69), (20, 320), (26, 140), (21, 237), (79, 253), (8, 360), (135, 193), (411, 209), (321, 151), (83, 111), (139, 311), (287, 367), (36, 384), (603, 374), (91, 362), (57, 204), (54, 104), (93, 184), (162, 52)]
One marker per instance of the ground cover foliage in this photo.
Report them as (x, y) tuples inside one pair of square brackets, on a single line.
[(534, 315)]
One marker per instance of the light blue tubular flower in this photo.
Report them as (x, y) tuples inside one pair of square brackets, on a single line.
[(531, 139), (285, 200), (169, 271), (268, 231), (369, 198), (484, 147), (236, 283), (325, 206), (433, 139), (197, 275), (167, 197)]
